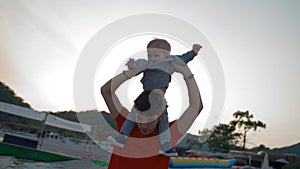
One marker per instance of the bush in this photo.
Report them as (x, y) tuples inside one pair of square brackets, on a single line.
[(292, 166)]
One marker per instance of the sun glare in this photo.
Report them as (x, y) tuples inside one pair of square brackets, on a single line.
[(56, 87)]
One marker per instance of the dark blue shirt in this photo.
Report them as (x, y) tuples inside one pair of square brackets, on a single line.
[(157, 78)]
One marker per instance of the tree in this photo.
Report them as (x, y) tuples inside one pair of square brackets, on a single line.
[(223, 138), (261, 147), (244, 121)]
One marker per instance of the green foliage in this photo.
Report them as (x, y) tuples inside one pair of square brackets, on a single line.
[(7, 95), (245, 122), (262, 147), (68, 115), (223, 138), (292, 166)]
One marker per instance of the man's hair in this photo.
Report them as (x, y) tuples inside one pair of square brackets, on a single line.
[(160, 44), (150, 103)]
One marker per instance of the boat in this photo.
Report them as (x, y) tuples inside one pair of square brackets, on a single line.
[(8, 149), (187, 162)]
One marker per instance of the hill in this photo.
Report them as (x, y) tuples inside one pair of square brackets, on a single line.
[(293, 149), (7, 95)]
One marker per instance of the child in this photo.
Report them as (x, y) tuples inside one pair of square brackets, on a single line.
[(157, 75)]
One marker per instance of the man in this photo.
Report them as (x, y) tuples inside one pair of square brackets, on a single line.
[(140, 150)]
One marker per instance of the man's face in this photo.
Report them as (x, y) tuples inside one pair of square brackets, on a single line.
[(155, 54), (147, 124)]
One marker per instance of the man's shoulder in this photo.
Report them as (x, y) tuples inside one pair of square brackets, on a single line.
[(120, 119)]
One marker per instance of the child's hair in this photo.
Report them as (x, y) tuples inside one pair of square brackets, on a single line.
[(160, 44), (150, 103)]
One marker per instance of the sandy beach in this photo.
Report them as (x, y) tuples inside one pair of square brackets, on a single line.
[(84, 152)]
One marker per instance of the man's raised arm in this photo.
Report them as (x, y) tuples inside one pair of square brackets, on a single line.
[(108, 91), (195, 102)]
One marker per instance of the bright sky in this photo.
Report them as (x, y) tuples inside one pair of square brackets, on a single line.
[(256, 42)]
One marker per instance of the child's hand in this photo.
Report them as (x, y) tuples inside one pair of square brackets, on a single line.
[(131, 64), (196, 48)]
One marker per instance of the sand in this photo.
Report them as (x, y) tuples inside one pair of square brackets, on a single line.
[(84, 152)]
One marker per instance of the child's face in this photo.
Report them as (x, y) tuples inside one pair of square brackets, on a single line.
[(155, 54)]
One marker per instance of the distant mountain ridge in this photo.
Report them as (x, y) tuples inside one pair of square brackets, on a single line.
[(293, 149)]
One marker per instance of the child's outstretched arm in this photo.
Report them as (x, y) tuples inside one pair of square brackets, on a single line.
[(186, 57), (137, 65)]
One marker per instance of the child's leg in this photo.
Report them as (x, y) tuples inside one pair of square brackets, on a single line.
[(165, 136), (126, 129), (129, 124), (164, 132)]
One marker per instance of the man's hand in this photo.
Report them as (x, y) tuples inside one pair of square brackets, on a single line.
[(196, 48), (131, 64), (181, 67)]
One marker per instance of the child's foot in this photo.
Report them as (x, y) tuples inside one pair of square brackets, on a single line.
[(118, 140), (167, 150), (171, 153)]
